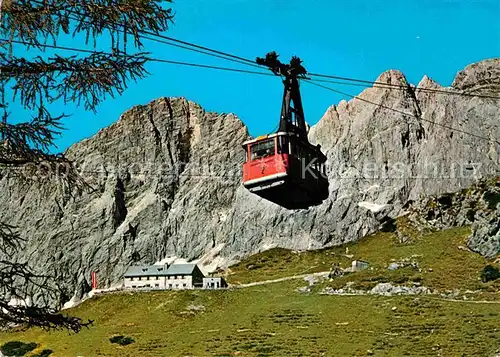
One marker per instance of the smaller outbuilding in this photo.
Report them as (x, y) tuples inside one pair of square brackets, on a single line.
[(358, 265), (214, 283)]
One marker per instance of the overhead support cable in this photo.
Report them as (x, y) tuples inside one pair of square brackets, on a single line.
[(378, 84), (189, 64), (402, 112), (156, 37), (200, 51), (73, 49)]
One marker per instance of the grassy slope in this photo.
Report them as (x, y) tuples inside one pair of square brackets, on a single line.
[(275, 320), (452, 265)]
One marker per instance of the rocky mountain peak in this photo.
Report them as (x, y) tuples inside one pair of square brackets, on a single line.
[(428, 83), (391, 76), (479, 76)]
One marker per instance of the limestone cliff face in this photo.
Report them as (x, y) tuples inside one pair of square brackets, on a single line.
[(167, 182)]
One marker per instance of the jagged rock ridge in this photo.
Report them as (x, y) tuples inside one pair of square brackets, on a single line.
[(167, 180)]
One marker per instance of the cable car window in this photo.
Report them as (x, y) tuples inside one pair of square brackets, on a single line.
[(303, 153), (262, 149), (247, 153), (293, 148), (283, 145)]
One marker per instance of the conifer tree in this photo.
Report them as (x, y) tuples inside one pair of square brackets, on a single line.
[(85, 78)]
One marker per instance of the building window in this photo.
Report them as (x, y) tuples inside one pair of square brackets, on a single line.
[(157, 285), (184, 285), (140, 278), (170, 286), (133, 286), (157, 278), (131, 279)]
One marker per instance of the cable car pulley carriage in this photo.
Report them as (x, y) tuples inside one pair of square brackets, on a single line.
[(285, 167)]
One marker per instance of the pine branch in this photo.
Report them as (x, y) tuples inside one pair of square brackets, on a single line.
[(24, 147), (28, 142), (24, 150), (35, 316), (40, 20), (90, 79), (10, 239), (27, 298)]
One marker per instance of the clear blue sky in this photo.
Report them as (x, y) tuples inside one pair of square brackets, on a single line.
[(353, 38)]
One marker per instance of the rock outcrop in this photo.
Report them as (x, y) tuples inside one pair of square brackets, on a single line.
[(166, 180), (477, 206), (383, 289)]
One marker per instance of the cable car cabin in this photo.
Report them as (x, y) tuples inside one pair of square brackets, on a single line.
[(285, 169)]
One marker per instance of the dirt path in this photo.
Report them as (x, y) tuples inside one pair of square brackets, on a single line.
[(467, 301), (293, 277)]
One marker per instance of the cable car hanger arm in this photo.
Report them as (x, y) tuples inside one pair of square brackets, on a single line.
[(292, 117)]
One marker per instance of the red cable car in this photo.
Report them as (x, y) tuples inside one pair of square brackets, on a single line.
[(285, 168)]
